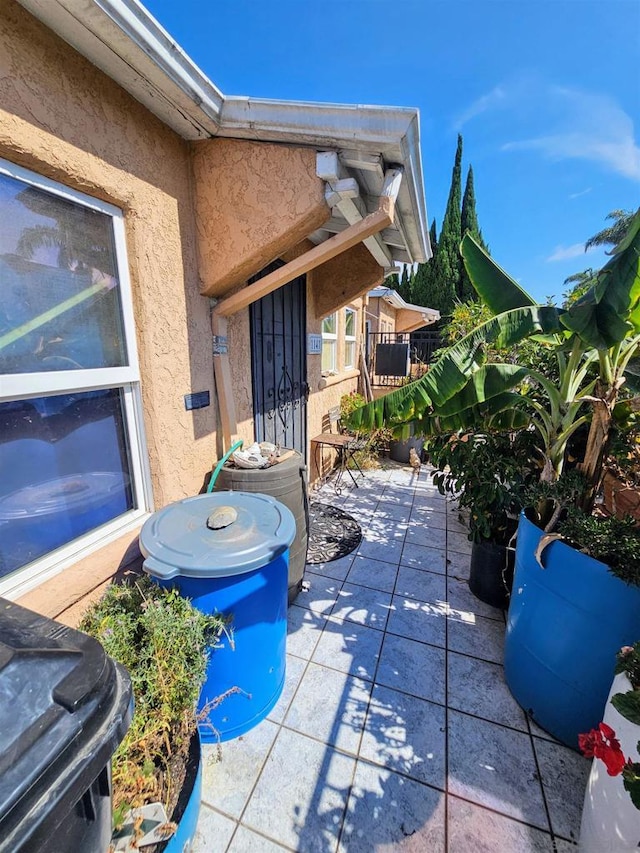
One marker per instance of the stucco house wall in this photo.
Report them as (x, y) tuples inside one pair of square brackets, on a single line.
[(53, 122)]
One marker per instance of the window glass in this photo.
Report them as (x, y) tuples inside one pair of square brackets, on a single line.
[(66, 470), (329, 343), (349, 338), (59, 291), (329, 324), (70, 456)]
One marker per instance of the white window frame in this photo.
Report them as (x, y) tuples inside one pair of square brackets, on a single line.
[(22, 386), (350, 339), (332, 339)]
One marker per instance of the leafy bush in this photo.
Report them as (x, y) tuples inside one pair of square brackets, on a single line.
[(162, 640), (376, 440), (613, 541), (489, 474)]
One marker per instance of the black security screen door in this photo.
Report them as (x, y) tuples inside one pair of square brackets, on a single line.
[(279, 364)]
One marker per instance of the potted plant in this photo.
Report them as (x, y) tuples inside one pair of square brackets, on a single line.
[(610, 818), (488, 473), (162, 640), (566, 622)]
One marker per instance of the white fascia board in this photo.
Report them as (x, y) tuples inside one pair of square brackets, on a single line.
[(393, 298), (122, 39)]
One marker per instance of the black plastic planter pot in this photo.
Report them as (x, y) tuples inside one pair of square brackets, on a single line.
[(491, 574), (399, 450)]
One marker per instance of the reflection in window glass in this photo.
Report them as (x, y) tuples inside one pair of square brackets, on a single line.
[(59, 291), (65, 471), (329, 343), (349, 338)]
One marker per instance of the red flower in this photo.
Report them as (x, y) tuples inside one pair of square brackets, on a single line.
[(602, 743)]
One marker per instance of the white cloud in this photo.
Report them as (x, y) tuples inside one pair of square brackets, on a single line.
[(579, 194), (566, 253), (491, 100), (564, 123)]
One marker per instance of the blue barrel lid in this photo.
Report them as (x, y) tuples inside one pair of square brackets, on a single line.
[(176, 539)]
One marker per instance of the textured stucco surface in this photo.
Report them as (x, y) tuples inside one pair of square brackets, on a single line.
[(62, 118), (344, 278), (254, 201)]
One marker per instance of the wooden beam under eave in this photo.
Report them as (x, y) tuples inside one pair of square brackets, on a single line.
[(331, 248)]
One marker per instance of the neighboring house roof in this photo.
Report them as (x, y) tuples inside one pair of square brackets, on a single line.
[(122, 39), (411, 316)]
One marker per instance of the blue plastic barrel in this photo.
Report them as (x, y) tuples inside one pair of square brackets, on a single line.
[(565, 625), (240, 571)]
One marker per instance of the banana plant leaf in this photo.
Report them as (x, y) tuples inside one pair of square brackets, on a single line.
[(453, 370), (610, 310), (504, 412), (494, 286)]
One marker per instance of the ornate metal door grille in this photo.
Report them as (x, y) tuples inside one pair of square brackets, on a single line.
[(279, 366)]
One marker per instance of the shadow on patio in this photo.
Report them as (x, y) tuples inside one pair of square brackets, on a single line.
[(395, 730)]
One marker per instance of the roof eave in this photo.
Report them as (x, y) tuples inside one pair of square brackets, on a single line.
[(122, 39)]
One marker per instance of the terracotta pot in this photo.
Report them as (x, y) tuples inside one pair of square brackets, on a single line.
[(620, 499), (610, 821)]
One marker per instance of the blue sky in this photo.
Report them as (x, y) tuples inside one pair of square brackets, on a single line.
[(546, 94)]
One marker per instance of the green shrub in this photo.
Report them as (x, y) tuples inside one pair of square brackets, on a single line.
[(162, 640), (613, 541)]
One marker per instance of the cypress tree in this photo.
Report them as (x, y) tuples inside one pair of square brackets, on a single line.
[(447, 265), (423, 289), (469, 222), (404, 289)]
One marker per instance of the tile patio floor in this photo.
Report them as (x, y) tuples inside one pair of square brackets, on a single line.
[(395, 730)]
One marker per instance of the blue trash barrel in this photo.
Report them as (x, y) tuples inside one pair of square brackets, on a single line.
[(242, 571)]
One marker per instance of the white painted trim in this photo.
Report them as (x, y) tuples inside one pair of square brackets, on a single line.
[(23, 386), (127, 378), (33, 574), (128, 44)]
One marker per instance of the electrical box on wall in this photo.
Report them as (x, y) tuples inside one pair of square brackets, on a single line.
[(199, 400), (314, 344)]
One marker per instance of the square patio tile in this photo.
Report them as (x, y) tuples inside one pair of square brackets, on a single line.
[(363, 605), (564, 776), (412, 667), (392, 512), (405, 734), (337, 569), (247, 841), (388, 812), (417, 620), (302, 793), (294, 670), (227, 784), (349, 647), (303, 631), (458, 565), (476, 829), (212, 825), (429, 501), (494, 767), (423, 585), (377, 574), (428, 518), (388, 552), (458, 542), (461, 598), (476, 636), (426, 536), (321, 595), (477, 687), (420, 557), (454, 524), (330, 706)]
